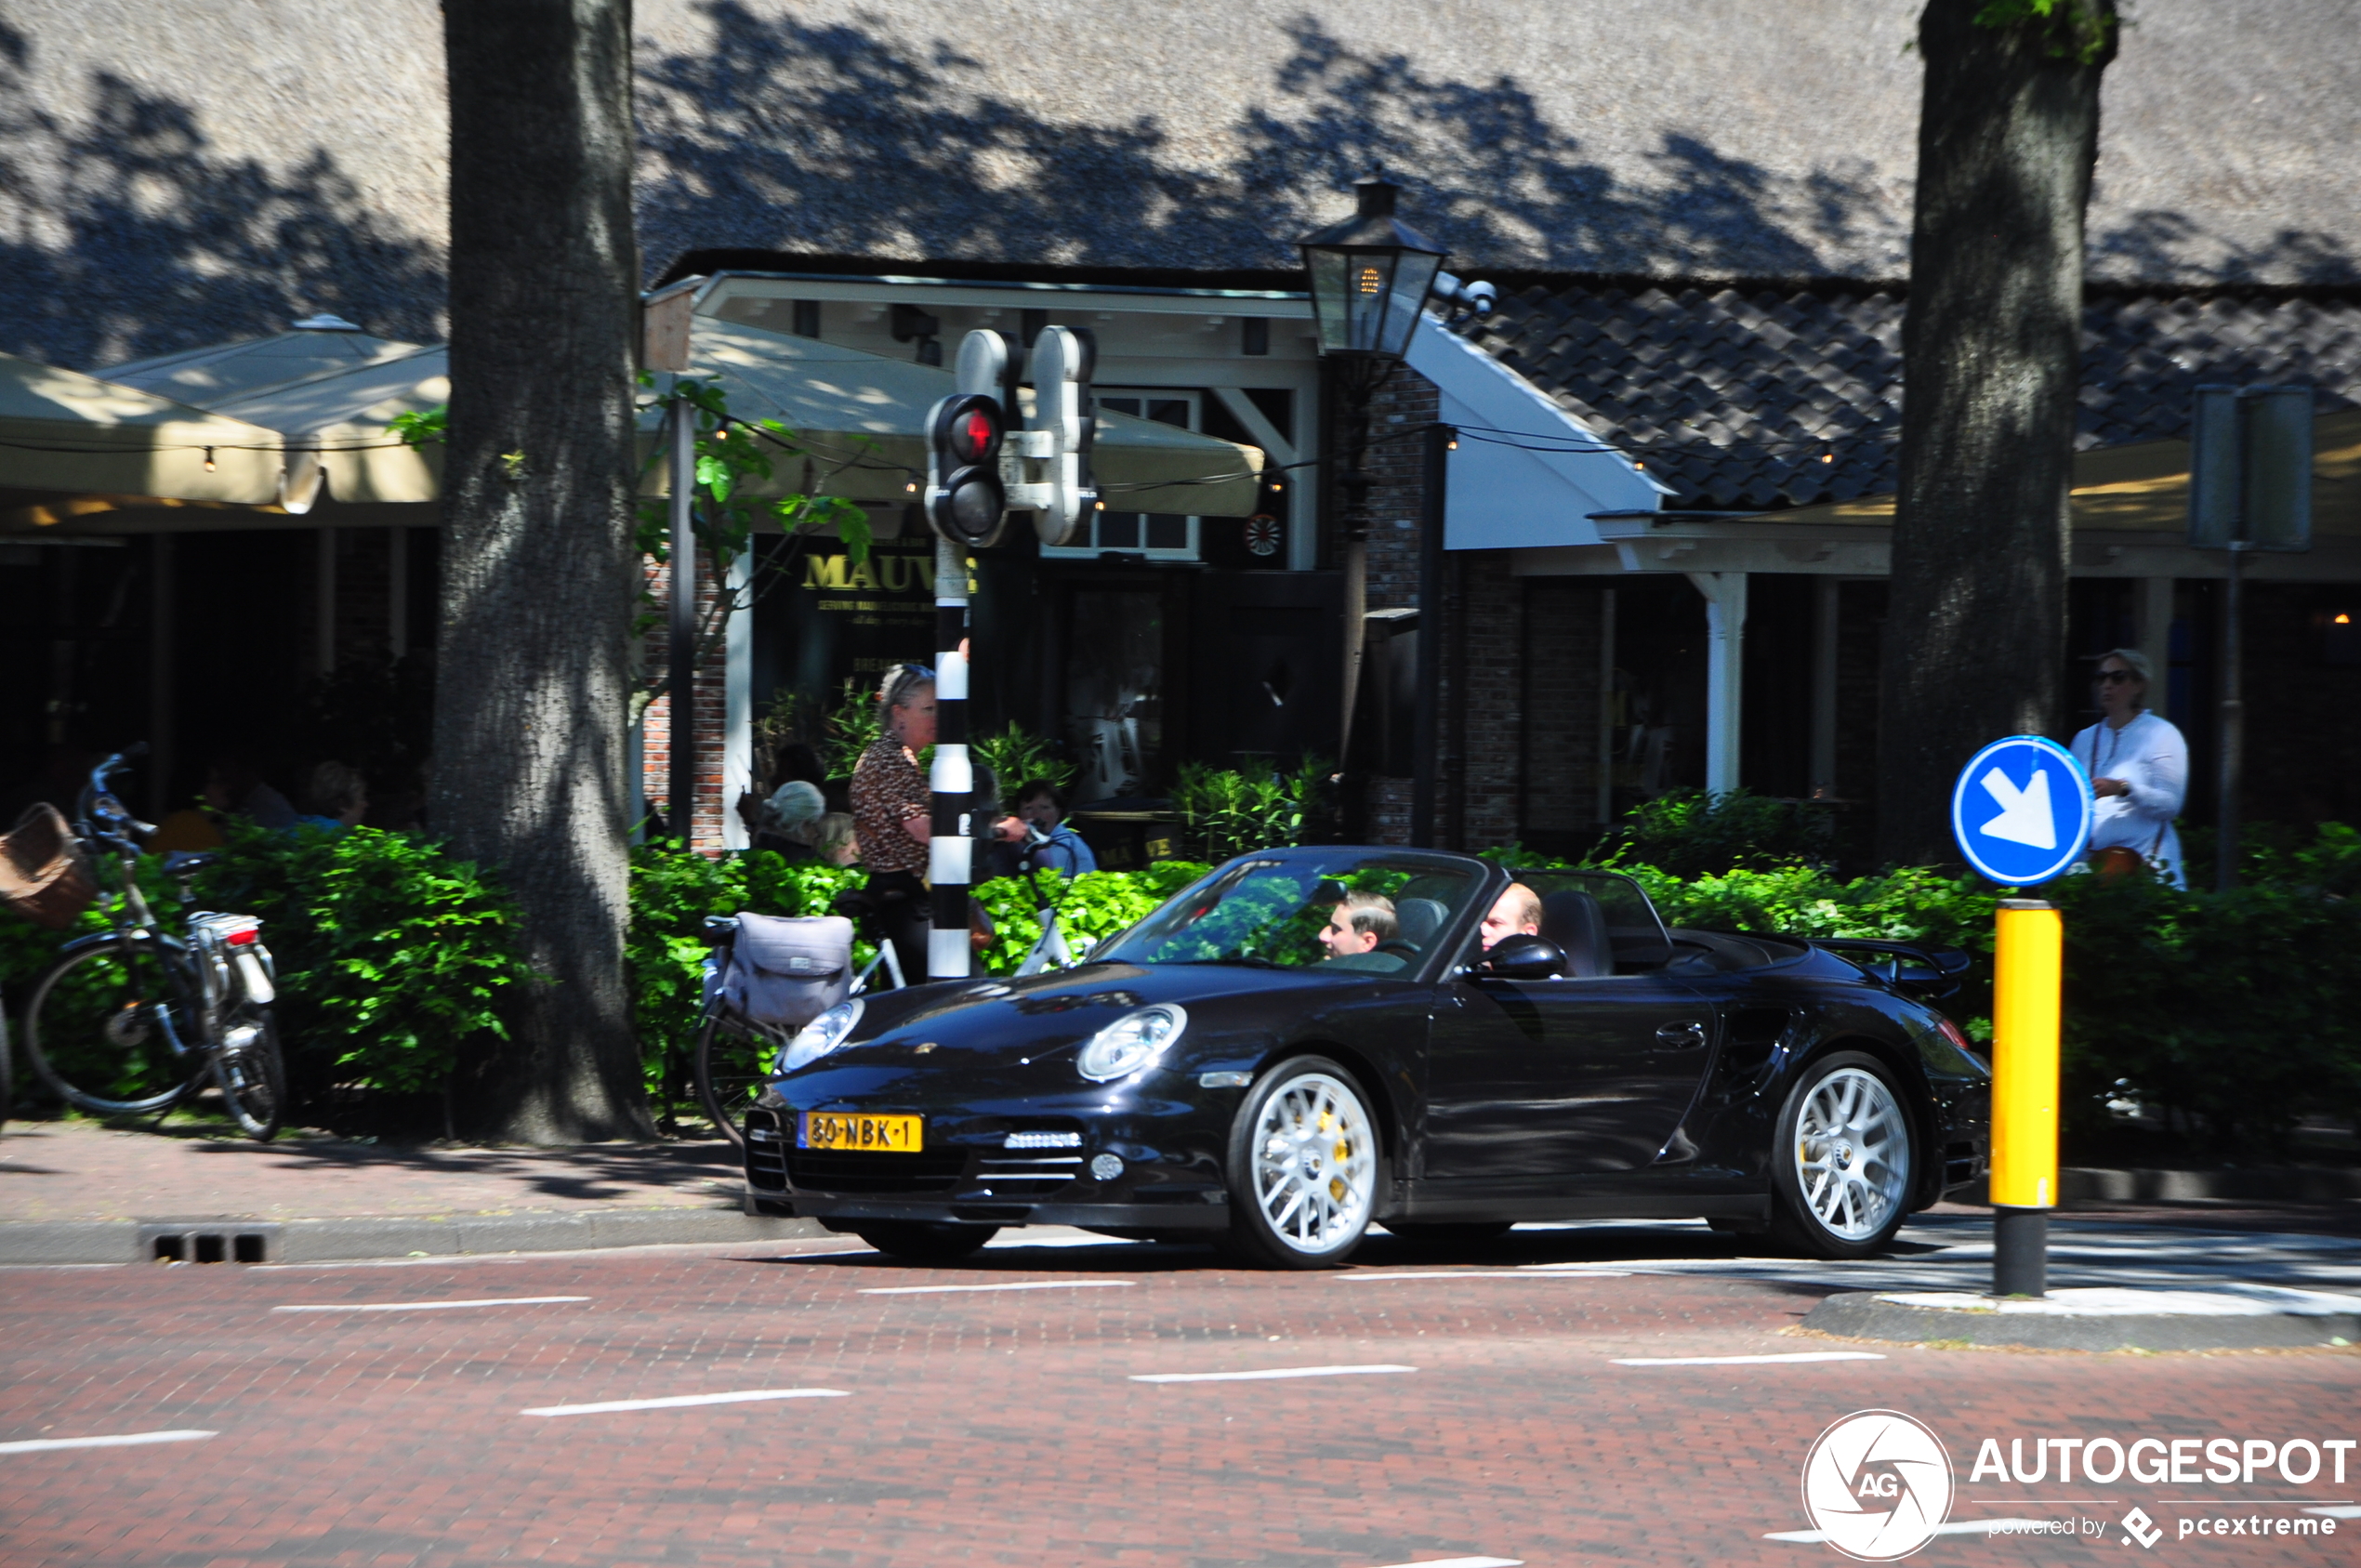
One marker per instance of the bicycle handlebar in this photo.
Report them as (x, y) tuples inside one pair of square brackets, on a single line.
[(100, 815)]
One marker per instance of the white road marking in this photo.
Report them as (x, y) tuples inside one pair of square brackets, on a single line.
[(429, 1305), (1493, 1274), (678, 1401), (35, 1445), (1464, 1562), (1957, 1527), (2339, 1510), (1750, 1361), (1035, 1284), (1259, 1376)]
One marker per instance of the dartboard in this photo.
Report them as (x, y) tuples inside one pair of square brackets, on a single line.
[(1264, 534)]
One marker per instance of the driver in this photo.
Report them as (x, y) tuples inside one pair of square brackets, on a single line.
[(1516, 913), (1358, 926)]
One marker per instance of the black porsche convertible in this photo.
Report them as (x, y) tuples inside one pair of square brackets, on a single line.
[(1309, 1041)]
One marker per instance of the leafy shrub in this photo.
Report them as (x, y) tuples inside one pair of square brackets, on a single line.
[(852, 725), (2239, 1012), (1226, 811), (1689, 833), (1095, 905), (1016, 756), (391, 951), (672, 893)]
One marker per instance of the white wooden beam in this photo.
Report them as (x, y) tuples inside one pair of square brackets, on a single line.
[(1725, 621)]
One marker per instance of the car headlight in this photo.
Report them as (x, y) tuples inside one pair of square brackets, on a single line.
[(822, 1036), (1130, 1042)]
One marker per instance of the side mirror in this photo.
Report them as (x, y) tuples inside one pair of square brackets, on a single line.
[(1523, 958)]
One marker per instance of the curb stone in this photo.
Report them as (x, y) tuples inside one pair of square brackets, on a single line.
[(1863, 1315), (374, 1237), (2279, 1184)]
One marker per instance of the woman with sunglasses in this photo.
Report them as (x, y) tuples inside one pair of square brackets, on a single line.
[(2138, 768)]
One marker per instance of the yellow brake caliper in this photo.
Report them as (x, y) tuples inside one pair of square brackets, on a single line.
[(1343, 1151)]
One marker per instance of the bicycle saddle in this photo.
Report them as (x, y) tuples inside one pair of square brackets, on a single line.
[(184, 862)]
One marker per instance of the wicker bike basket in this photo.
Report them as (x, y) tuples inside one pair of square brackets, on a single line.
[(44, 874)]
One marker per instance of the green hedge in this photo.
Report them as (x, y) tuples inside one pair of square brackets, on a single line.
[(2240, 1012)]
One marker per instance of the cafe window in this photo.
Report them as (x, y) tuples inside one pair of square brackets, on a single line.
[(1157, 535)]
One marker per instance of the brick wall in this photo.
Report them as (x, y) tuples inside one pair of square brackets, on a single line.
[(1561, 664), (1398, 414), (655, 773), (1489, 628)]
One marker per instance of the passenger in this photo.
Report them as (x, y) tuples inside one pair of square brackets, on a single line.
[(1358, 926), (1516, 913)]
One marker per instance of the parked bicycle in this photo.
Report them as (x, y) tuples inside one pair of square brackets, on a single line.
[(132, 1019), (746, 1022)]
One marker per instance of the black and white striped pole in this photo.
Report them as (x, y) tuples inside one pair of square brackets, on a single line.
[(951, 781), (1048, 472), (968, 508)]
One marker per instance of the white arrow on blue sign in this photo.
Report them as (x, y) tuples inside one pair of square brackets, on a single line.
[(2021, 810)]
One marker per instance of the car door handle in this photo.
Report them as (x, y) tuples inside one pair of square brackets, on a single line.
[(1683, 1036)]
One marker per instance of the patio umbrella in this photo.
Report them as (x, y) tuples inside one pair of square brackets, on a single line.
[(212, 376), (67, 437), (345, 417), (857, 418), (861, 418)]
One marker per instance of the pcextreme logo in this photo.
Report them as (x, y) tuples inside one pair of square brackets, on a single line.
[(1877, 1485)]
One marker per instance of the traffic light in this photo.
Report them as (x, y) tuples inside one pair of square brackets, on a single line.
[(1063, 424), (966, 501)]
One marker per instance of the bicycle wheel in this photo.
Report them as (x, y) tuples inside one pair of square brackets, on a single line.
[(252, 1075), (732, 1066), (98, 1029)]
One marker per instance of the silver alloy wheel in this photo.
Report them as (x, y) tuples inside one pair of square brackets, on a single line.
[(1851, 1154), (1315, 1163)]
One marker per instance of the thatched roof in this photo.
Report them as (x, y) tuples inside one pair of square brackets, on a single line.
[(185, 173)]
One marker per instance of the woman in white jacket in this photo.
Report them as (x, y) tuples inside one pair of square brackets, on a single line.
[(2138, 768)]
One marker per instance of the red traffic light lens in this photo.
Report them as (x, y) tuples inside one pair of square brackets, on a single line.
[(968, 432), (973, 435)]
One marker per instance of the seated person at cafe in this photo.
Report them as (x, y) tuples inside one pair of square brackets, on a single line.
[(1357, 927), (1516, 913)]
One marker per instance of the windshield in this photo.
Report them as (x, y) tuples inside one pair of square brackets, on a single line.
[(1343, 912)]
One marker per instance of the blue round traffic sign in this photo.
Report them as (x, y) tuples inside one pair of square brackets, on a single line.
[(2021, 810)]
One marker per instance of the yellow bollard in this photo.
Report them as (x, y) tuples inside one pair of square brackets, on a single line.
[(2028, 952)]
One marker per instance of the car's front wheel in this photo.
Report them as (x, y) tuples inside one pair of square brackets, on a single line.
[(1305, 1167), (1845, 1163)]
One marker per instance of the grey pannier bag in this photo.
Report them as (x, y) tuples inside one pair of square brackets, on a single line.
[(785, 971)]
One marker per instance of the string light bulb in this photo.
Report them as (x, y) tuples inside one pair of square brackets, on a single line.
[(208, 459)]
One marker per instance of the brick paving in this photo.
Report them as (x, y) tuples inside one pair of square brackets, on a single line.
[(83, 1170), (1003, 1428)]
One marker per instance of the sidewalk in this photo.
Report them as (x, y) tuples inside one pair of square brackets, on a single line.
[(79, 1191)]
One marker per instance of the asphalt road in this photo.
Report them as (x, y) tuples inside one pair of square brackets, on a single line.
[(1078, 1405)]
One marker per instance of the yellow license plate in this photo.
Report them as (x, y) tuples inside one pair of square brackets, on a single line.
[(834, 1129)]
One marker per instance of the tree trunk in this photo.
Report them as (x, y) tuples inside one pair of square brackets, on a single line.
[(538, 564), (1992, 347)]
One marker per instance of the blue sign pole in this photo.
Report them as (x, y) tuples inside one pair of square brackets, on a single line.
[(2021, 811)]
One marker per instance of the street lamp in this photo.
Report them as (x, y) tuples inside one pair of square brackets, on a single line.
[(1370, 278)]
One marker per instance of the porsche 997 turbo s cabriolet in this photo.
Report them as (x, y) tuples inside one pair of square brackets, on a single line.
[(1306, 1042)]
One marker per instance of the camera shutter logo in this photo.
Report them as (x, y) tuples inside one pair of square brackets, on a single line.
[(1877, 1485)]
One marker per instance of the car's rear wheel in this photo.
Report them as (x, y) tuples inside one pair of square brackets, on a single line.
[(1305, 1167), (1846, 1162), (924, 1241)]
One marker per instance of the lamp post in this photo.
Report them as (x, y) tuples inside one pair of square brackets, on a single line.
[(1370, 278)]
